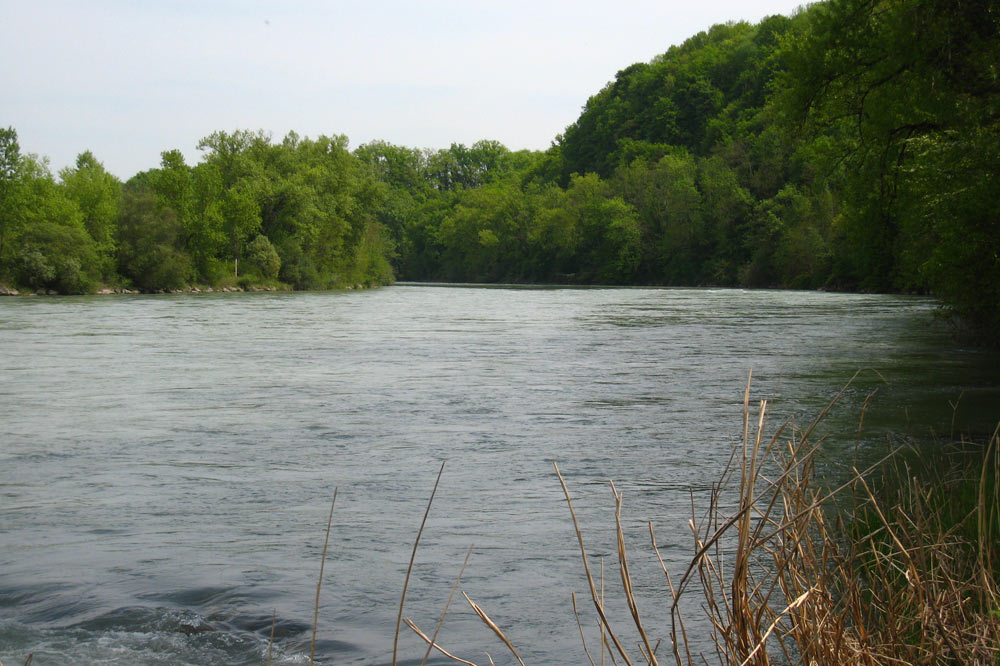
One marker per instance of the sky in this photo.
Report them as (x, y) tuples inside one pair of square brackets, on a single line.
[(130, 79)]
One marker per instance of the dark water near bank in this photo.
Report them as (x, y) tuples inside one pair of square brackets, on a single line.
[(167, 462)]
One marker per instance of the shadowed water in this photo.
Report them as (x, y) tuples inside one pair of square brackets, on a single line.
[(167, 462)]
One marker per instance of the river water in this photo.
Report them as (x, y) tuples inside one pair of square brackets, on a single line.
[(167, 462)]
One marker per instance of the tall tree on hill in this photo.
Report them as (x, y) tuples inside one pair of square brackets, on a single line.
[(909, 93)]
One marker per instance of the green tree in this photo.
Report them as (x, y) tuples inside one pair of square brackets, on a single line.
[(173, 185), (240, 217), (554, 238), (11, 192), (402, 173), (907, 96), (150, 242), (609, 230), (669, 206), (726, 207), (57, 257), (263, 257), (484, 236), (51, 248), (462, 167), (96, 193)]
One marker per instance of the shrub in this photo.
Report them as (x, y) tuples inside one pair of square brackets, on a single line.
[(58, 257), (263, 257)]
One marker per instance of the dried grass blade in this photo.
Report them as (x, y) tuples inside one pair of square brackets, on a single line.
[(409, 569), (627, 578), (579, 626), (674, 597), (586, 567), (492, 625), (792, 606), (434, 645), (319, 583), (447, 605)]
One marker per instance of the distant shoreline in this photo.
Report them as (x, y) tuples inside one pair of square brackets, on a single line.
[(121, 291)]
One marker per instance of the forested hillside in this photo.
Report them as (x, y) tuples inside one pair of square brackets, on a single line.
[(854, 145)]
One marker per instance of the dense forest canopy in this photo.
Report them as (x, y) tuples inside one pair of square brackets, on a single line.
[(854, 145)]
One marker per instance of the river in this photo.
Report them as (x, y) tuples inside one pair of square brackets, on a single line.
[(167, 462)]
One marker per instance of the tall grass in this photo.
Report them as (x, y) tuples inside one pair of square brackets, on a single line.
[(891, 566)]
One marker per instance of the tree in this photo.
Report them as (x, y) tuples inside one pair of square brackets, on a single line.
[(96, 193), (609, 230), (263, 257), (11, 191), (149, 240), (396, 166), (59, 257), (907, 94), (461, 167), (669, 206), (50, 247), (235, 159), (173, 184), (240, 217)]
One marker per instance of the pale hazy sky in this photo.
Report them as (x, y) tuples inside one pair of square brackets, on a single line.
[(128, 80)]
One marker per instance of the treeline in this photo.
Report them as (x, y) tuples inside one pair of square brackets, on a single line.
[(854, 145), (252, 212)]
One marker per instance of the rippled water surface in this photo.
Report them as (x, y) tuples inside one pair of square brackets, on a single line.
[(167, 462)]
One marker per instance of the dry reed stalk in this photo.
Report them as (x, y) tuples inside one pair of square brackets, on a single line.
[(902, 585), (447, 604), (590, 579), (627, 578), (409, 568), (989, 521), (319, 583), (760, 644), (431, 644), (673, 597), (792, 575), (579, 626), (493, 625), (896, 596), (604, 636)]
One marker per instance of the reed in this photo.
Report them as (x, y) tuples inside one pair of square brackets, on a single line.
[(890, 566), (409, 568), (886, 568), (319, 586)]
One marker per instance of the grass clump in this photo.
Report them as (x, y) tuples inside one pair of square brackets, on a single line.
[(890, 567)]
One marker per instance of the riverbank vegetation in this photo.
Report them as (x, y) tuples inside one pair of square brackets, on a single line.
[(851, 146), (897, 562)]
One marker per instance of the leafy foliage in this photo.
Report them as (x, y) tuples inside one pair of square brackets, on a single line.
[(853, 145)]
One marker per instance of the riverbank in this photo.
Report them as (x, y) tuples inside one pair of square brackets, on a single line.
[(106, 291), (900, 563)]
